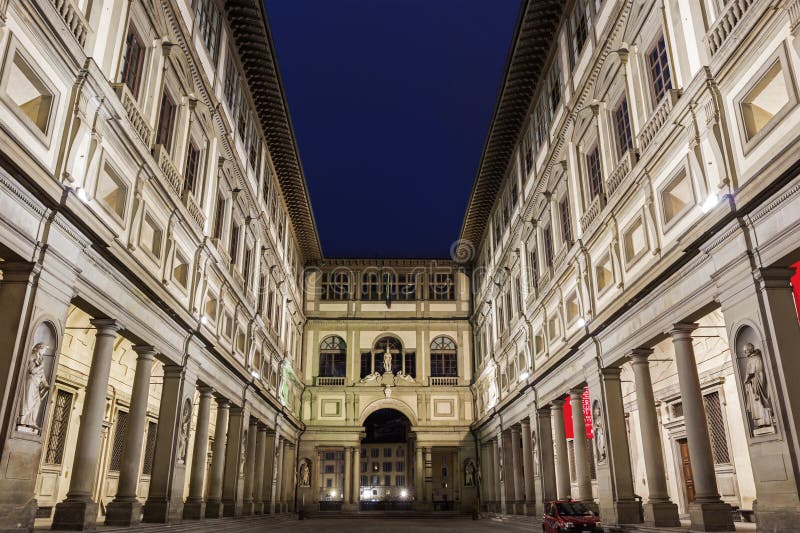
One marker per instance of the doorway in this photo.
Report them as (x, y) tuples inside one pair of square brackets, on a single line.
[(385, 471), (686, 470)]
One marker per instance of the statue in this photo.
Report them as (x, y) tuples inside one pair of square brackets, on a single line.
[(535, 453), (243, 453), (387, 359), (759, 407), (305, 474), (183, 437), (404, 377), (599, 431), (469, 473), (375, 376), (35, 389)]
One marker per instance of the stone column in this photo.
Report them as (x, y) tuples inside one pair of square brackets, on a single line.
[(659, 511), (547, 490), (563, 483), (618, 503), (581, 446), (419, 473), (165, 500), (527, 468), (277, 501), (517, 465), (195, 505), (428, 453), (487, 475), (707, 512), (289, 477), (269, 470), (214, 499), (348, 477), (78, 511), (249, 468), (232, 481), (499, 497), (258, 481), (126, 509), (357, 477)]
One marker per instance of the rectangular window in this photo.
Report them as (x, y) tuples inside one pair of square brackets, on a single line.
[(532, 266), (332, 365), (366, 364), (54, 454), (400, 466), (119, 441), (387, 480), (133, 61), (444, 365), (578, 29), (208, 25), (547, 234), (149, 448), (219, 217), (400, 481), (410, 364), (387, 452), (233, 249), (442, 287), (27, 91), (371, 287), (769, 97), (248, 259), (622, 123), (660, 74), (676, 197), (192, 170), (262, 284), (595, 174), (335, 286), (243, 118), (231, 86), (375, 452), (166, 121), (407, 287), (716, 429), (387, 467), (566, 225)]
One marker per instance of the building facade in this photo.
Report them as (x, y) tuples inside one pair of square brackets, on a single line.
[(617, 324), (155, 225), (633, 231)]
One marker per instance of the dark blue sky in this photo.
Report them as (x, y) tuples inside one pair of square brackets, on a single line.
[(391, 102)]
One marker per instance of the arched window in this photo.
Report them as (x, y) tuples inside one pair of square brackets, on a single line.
[(402, 360), (444, 362), (332, 357)]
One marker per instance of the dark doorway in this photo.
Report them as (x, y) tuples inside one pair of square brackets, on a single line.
[(386, 473)]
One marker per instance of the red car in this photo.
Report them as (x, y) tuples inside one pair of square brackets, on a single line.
[(566, 516)]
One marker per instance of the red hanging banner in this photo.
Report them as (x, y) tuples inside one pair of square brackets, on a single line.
[(587, 415)]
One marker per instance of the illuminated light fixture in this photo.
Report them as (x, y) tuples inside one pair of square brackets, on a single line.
[(524, 376), (204, 320), (255, 373), (581, 322), (710, 202), (80, 192), (403, 493), (333, 494)]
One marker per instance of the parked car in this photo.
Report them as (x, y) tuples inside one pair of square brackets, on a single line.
[(567, 516)]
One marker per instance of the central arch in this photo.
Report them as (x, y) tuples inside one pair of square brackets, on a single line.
[(389, 403)]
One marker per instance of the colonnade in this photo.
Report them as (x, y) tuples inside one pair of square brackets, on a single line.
[(527, 464), (248, 473)]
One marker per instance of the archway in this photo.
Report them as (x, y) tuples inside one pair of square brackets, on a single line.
[(386, 462)]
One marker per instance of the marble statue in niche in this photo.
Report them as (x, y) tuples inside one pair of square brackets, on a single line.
[(305, 473), (469, 473), (756, 391), (35, 390), (387, 360), (183, 437), (599, 430)]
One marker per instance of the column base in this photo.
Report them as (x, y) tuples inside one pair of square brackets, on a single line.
[(124, 513), (162, 512), (230, 509), (529, 509), (629, 512), (423, 506), (194, 510), (213, 509), (711, 516), (661, 514), (258, 508), (75, 515), (248, 509)]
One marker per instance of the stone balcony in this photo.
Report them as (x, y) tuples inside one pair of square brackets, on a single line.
[(73, 18), (724, 26), (443, 381), (131, 106)]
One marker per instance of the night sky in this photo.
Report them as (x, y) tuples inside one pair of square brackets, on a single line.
[(391, 102)]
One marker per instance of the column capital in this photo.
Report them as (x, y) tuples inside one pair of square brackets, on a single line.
[(262, 428), (557, 404), (525, 423), (106, 326), (252, 422), (611, 373), (639, 356), (774, 277), (576, 393), (144, 352), (516, 430), (222, 402), (205, 391), (682, 330)]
